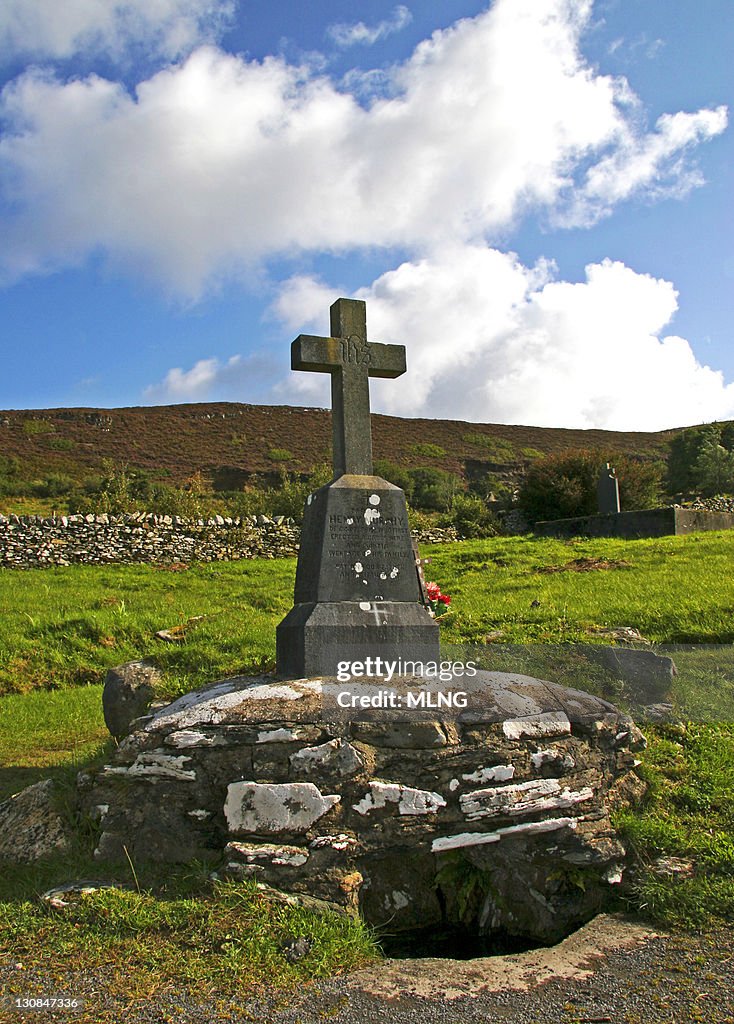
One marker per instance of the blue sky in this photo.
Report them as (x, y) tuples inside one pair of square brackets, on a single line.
[(534, 196)]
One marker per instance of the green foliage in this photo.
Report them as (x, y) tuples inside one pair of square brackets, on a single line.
[(564, 486), (432, 489), (431, 451), (471, 517), (426, 488), (34, 427), (694, 463), (496, 448), (182, 937), (688, 815), (287, 498), (62, 444), (54, 485), (714, 469), (531, 453), (395, 474), (280, 455)]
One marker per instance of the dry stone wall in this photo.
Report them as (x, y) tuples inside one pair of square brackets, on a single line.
[(31, 541)]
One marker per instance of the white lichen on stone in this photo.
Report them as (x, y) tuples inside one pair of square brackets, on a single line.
[(483, 838), (409, 801), (211, 706), (365, 606), (358, 567), (370, 515), (200, 814), (374, 499), (276, 736), (524, 798), (155, 765), (270, 853), (191, 738), (548, 723), (552, 755), (496, 773), (394, 572), (454, 785), (275, 807), (336, 755), (340, 842)]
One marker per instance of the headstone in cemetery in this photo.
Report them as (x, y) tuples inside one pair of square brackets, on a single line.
[(607, 491), (357, 589)]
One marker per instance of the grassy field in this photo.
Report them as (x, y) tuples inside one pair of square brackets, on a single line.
[(61, 628)]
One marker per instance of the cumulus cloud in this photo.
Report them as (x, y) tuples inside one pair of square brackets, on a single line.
[(358, 33), (239, 378), (217, 164), (59, 29), (491, 340)]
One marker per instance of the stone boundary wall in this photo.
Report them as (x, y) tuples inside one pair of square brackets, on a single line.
[(30, 541), (653, 522)]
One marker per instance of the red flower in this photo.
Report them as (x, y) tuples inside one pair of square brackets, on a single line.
[(444, 598)]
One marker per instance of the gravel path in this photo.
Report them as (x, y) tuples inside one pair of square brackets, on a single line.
[(610, 973)]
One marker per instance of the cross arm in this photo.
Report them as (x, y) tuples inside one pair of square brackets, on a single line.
[(386, 360), (312, 353)]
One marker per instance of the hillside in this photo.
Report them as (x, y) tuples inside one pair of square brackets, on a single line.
[(229, 442)]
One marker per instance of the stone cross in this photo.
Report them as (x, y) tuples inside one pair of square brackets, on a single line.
[(351, 360)]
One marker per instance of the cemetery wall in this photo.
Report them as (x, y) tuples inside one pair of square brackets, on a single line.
[(652, 522), (30, 541)]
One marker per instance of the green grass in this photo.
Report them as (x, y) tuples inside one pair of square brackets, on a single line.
[(219, 943), (688, 814), (674, 589), (66, 626)]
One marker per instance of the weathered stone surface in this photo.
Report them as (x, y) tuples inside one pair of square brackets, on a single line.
[(383, 817), (267, 808), (128, 691), (30, 825)]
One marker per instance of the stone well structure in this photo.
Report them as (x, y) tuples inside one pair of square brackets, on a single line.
[(497, 820)]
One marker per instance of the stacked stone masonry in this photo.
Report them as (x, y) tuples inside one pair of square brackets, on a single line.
[(497, 821), (30, 541)]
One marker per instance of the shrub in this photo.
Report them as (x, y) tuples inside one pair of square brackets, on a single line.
[(564, 486), (496, 448), (33, 427), (433, 489), (279, 455), (431, 451), (471, 517)]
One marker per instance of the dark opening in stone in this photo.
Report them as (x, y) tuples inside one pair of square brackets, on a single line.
[(451, 942)]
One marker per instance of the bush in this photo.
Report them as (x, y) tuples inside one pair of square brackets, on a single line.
[(431, 451), (433, 489), (685, 450), (563, 486), (471, 517)]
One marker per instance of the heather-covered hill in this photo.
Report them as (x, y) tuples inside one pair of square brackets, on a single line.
[(228, 442)]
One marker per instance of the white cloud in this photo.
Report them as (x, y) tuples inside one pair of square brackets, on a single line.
[(217, 164), (491, 340), (359, 33), (239, 378), (61, 28)]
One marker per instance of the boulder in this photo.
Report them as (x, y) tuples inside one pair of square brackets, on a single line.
[(128, 691), (31, 826)]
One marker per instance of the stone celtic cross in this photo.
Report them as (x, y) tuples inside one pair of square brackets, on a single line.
[(351, 360)]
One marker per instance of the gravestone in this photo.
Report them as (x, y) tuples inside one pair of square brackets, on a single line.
[(607, 491), (357, 589)]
